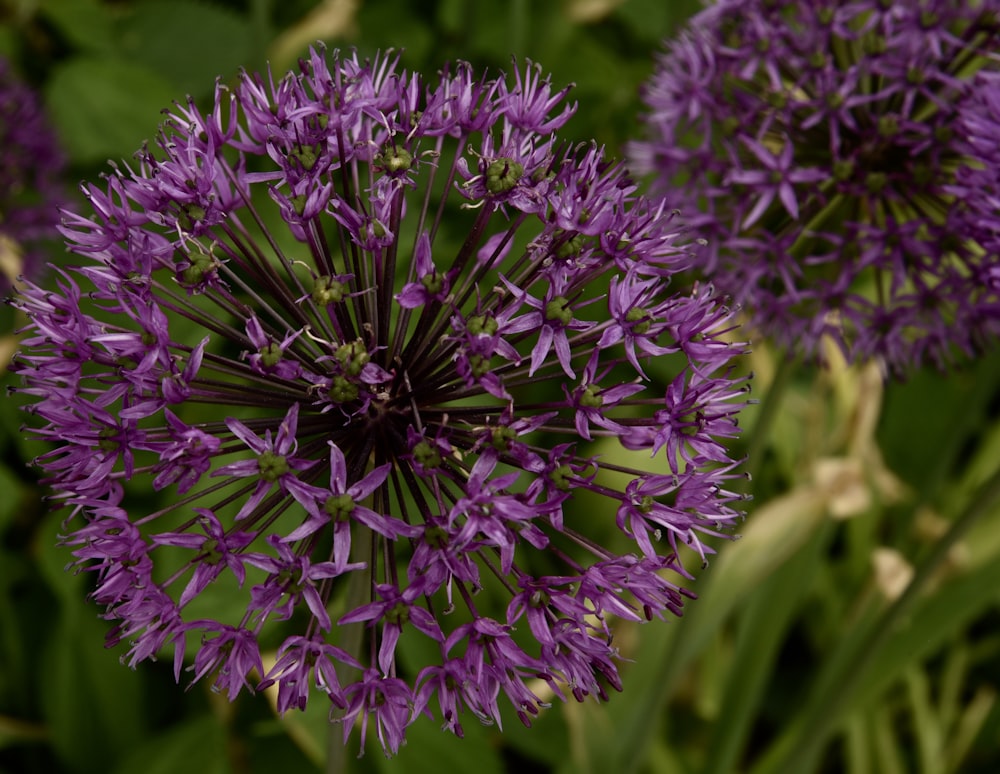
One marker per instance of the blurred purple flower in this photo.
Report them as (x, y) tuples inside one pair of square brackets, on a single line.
[(343, 312), (838, 193), (30, 188)]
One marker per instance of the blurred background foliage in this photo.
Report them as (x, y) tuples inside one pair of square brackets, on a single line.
[(804, 652)]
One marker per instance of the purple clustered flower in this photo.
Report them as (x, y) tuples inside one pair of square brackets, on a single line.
[(30, 189), (839, 193), (386, 350), (978, 181)]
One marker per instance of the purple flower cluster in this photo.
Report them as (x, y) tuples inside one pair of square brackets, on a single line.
[(30, 189), (978, 182), (839, 194), (365, 333)]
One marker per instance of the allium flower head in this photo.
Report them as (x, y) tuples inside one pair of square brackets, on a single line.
[(837, 190), (30, 191), (362, 332)]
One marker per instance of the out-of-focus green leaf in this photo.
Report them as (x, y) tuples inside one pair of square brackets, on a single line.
[(858, 742), (776, 532), (87, 24), (546, 741), (198, 746), (14, 731), (11, 486), (105, 109), (8, 42), (591, 734), (888, 753), (308, 729), (92, 705), (927, 729), (931, 625), (429, 748), (187, 43), (52, 559), (972, 724), (934, 411), (653, 20), (764, 624), (926, 629)]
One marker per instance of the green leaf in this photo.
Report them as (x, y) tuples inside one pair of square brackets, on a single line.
[(927, 729), (92, 705), (654, 20), (917, 637), (943, 412), (12, 488), (52, 560), (308, 729), (105, 108), (87, 24), (888, 751), (187, 43), (764, 626), (773, 535), (14, 732), (199, 745), (429, 748), (931, 625)]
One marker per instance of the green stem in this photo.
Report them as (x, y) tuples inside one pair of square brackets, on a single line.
[(768, 414), (822, 717), (352, 640)]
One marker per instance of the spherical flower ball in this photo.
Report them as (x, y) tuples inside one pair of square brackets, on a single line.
[(31, 192), (822, 142), (352, 351), (977, 185)]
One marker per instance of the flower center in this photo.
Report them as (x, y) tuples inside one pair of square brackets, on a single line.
[(272, 466), (339, 507)]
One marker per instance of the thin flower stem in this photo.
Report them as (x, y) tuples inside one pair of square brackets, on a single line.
[(824, 716), (359, 591)]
